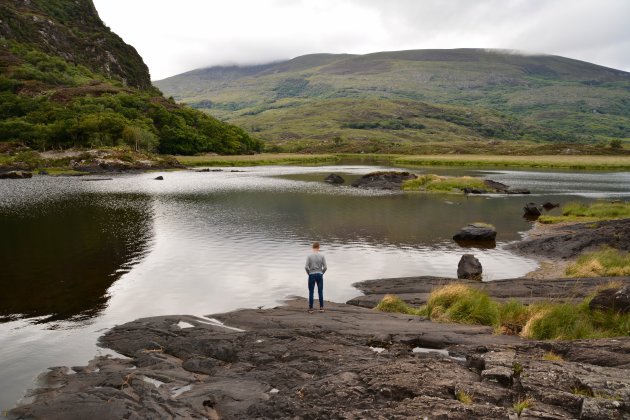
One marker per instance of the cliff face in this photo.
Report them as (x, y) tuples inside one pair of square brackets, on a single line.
[(73, 31)]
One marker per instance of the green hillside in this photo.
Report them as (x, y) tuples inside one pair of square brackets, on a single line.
[(67, 81), (416, 101)]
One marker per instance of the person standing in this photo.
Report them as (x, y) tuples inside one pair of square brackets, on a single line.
[(315, 268)]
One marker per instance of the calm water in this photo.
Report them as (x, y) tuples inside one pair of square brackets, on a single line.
[(79, 256)]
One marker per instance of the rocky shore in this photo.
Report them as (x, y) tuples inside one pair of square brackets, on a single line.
[(350, 362)]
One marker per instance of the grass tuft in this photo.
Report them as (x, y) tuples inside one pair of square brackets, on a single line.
[(607, 262), (464, 397), (552, 357), (391, 303), (521, 405)]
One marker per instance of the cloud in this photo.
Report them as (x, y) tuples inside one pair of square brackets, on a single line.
[(177, 37)]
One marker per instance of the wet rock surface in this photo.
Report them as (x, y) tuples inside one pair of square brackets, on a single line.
[(569, 241), (291, 364), (383, 180)]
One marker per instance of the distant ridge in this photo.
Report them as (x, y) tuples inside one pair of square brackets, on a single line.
[(302, 103)]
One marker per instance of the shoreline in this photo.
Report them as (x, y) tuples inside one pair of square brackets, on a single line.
[(284, 363)]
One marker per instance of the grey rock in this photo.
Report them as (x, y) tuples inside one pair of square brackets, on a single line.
[(334, 179), (515, 191), (570, 241), (476, 232), (469, 268), (286, 363), (16, 175), (383, 180), (159, 178), (617, 300), (496, 186), (474, 191), (548, 205), (531, 209)]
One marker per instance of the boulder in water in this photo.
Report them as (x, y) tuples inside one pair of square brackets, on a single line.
[(334, 179), (469, 268), (476, 232)]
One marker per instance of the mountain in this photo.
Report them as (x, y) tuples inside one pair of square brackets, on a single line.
[(66, 80), (406, 100)]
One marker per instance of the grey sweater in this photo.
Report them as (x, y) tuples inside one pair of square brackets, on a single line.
[(315, 263)]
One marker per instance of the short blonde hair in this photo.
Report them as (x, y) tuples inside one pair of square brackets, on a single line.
[(315, 245)]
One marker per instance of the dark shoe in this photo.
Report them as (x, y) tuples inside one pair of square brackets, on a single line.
[(321, 309), (310, 311)]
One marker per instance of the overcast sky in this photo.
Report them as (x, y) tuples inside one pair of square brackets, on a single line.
[(177, 36)]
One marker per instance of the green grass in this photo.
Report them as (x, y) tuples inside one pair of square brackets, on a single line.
[(580, 212), (602, 263), (545, 320), (521, 405), (538, 161), (257, 160), (438, 183), (464, 397), (391, 303)]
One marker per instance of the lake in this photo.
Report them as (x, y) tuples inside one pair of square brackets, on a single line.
[(79, 255)]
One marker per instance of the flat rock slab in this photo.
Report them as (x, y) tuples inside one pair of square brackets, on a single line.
[(567, 242), (348, 362)]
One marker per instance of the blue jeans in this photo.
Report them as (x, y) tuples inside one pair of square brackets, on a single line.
[(312, 279)]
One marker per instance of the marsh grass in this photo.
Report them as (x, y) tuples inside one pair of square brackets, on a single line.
[(257, 160), (544, 161), (606, 262), (438, 183), (580, 212), (545, 320)]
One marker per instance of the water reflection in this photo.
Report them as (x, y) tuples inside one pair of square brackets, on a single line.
[(58, 259)]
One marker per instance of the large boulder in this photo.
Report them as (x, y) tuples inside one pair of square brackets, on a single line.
[(334, 179), (496, 186), (503, 188), (548, 205), (16, 175), (615, 299), (476, 232), (531, 210), (469, 268), (391, 180)]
